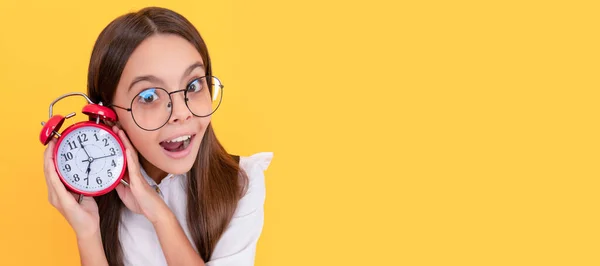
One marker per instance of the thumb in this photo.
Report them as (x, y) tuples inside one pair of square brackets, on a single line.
[(52, 176)]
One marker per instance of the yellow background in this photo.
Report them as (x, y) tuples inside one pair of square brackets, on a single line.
[(414, 133)]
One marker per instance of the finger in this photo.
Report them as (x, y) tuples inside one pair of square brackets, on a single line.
[(133, 165), (49, 161), (132, 169), (52, 198), (123, 137), (110, 123), (50, 169), (49, 149), (132, 159), (76, 196), (127, 144), (61, 191), (115, 125), (58, 192), (52, 179), (122, 191)]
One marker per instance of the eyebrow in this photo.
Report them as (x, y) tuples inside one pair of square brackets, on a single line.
[(154, 79)]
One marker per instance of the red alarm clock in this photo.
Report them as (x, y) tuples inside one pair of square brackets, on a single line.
[(89, 157)]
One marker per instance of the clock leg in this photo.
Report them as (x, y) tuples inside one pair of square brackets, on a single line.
[(124, 183)]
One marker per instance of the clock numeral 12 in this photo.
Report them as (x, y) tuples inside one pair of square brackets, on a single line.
[(84, 138)]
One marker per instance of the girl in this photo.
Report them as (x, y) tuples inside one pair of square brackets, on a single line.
[(188, 201)]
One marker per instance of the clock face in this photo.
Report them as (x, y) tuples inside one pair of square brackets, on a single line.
[(89, 158)]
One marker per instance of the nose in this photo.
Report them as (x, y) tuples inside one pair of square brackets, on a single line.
[(180, 110)]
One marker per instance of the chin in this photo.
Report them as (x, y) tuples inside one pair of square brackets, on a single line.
[(176, 168)]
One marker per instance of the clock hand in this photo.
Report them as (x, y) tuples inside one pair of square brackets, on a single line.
[(88, 169), (86, 153), (99, 158), (104, 156)]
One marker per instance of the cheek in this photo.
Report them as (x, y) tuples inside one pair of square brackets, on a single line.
[(138, 137), (204, 122)]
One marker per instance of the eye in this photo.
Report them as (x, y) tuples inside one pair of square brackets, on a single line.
[(195, 86), (148, 96)]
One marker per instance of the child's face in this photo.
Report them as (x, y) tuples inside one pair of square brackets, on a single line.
[(172, 63)]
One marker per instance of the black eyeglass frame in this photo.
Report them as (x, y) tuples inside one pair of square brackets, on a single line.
[(221, 86)]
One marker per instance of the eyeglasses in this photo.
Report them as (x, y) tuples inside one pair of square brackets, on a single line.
[(152, 108)]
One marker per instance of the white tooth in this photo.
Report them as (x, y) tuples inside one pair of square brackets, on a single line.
[(182, 138)]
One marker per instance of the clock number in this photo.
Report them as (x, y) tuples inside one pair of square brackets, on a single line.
[(84, 138), (67, 156), (72, 145), (87, 179), (98, 180), (76, 177), (113, 164), (95, 135), (109, 173), (68, 167), (112, 151), (105, 142)]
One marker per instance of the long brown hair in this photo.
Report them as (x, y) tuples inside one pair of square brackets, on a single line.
[(215, 182)]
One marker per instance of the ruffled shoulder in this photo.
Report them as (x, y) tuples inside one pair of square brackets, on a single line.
[(255, 166), (237, 245)]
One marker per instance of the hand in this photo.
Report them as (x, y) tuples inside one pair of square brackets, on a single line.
[(139, 196), (83, 217)]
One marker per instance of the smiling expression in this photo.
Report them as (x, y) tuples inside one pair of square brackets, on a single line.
[(169, 62)]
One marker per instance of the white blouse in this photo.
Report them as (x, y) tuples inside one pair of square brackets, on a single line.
[(236, 246)]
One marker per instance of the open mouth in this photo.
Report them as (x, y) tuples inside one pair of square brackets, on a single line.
[(177, 144)]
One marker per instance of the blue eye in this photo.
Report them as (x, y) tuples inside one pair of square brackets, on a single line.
[(195, 86), (148, 96)]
